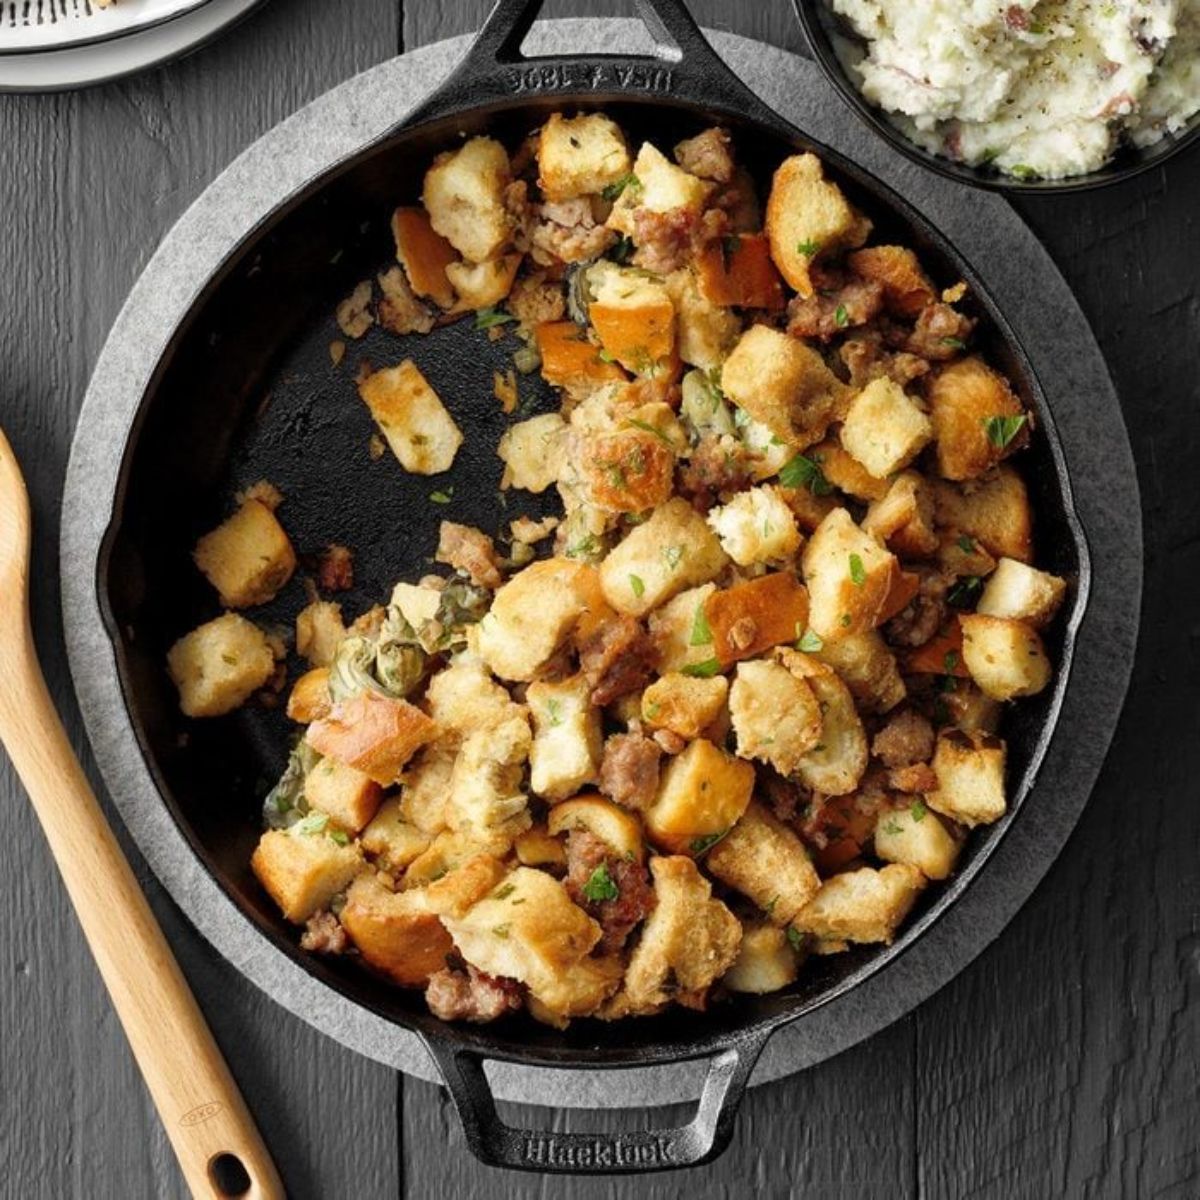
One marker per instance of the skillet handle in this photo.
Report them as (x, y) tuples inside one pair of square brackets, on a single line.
[(683, 67), (633, 1152)]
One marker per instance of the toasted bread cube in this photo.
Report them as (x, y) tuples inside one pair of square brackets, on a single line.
[(995, 511), (463, 698), (673, 626), (868, 668), (485, 284), (372, 733), (487, 780), (838, 761), (766, 961), (395, 932), (391, 839), (615, 826), (783, 384), (885, 429), (580, 991), (633, 315), (527, 929), (419, 430), (424, 255), (532, 452), (459, 866), (349, 797), (536, 847), (672, 551), (1006, 658), (738, 271), (862, 906), (807, 218), (248, 558), (751, 617), (580, 156), (701, 794), (970, 778), (220, 665), (706, 332), (756, 526), (905, 585), (906, 287), (959, 555), (845, 472), (427, 786), (969, 710), (918, 837), (464, 196), (310, 700), (302, 871), (1022, 593), (532, 615), (965, 398), (658, 186), (848, 575), (687, 942), (903, 518), (631, 470), (566, 737), (685, 705), (808, 508), (763, 859), (319, 630), (775, 715), (571, 362)]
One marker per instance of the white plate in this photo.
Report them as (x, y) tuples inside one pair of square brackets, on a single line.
[(151, 32), (34, 25)]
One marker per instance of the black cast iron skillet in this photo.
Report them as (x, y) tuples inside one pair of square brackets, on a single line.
[(245, 390), (820, 24)]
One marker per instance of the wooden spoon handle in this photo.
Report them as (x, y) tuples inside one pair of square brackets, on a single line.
[(199, 1103)]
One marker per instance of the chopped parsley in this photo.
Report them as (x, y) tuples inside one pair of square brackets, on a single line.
[(1022, 171), (810, 642), (673, 556), (703, 670), (707, 842), (950, 660), (504, 892), (964, 592), (312, 824), (502, 931), (701, 630), (795, 938), (486, 318), (585, 546), (442, 497), (339, 836), (612, 190), (804, 472), (1001, 430), (605, 357), (554, 711), (637, 586), (917, 809), (600, 885), (808, 248), (841, 317), (621, 249), (844, 620), (892, 828), (646, 427), (858, 573), (966, 543), (954, 343)]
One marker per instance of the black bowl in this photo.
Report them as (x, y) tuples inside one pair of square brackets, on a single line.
[(817, 22)]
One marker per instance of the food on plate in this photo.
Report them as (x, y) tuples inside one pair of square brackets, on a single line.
[(1038, 89), (739, 698)]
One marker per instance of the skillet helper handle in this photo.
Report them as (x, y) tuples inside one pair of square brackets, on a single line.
[(633, 1152), (201, 1108), (683, 67)]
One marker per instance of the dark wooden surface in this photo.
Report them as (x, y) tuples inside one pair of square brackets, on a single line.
[(1062, 1063)]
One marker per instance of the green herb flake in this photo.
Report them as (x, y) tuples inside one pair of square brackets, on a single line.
[(1001, 430), (892, 828), (442, 497), (637, 586), (502, 931), (770, 908), (963, 593), (646, 427), (1022, 171), (613, 190), (841, 317), (339, 836), (804, 472), (954, 343), (858, 573), (504, 892), (810, 642), (314, 823), (950, 661), (917, 809), (844, 620), (621, 250), (600, 885), (586, 546), (554, 711), (486, 318), (605, 357), (966, 543), (808, 248), (673, 555), (707, 842), (795, 938), (701, 630), (703, 670), (230, 660)]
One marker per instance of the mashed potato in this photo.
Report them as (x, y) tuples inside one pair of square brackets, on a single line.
[(1039, 88)]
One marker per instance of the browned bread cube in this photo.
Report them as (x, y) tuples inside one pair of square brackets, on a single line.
[(701, 794), (303, 868), (349, 797), (220, 665), (970, 778), (248, 558), (395, 932), (977, 420), (372, 733)]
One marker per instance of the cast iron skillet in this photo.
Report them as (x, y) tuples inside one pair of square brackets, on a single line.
[(818, 23), (245, 390)]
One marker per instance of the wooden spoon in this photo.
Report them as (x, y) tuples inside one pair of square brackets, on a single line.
[(219, 1149)]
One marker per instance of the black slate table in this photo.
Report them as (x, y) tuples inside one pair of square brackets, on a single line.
[(1062, 1063)]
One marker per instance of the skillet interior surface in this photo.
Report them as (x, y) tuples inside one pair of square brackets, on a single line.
[(247, 391)]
